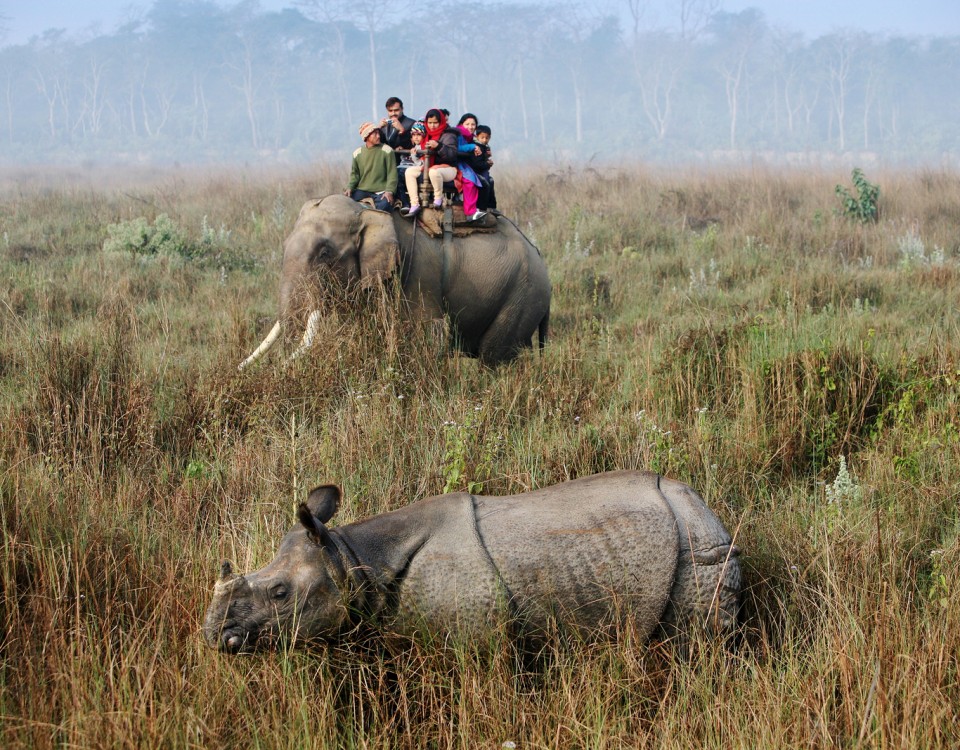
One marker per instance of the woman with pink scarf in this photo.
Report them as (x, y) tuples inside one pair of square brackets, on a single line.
[(442, 141)]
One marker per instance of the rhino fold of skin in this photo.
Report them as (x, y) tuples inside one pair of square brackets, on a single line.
[(590, 554)]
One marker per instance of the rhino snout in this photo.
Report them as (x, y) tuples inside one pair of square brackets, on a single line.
[(223, 626), (229, 636), (234, 642)]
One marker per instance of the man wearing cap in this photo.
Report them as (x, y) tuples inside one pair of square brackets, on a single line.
[(373, 173)]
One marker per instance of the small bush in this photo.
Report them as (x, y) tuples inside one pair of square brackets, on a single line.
[(140, 238), (913, 251), (864, 206), (213, 248)]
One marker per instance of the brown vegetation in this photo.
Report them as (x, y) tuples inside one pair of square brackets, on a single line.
[(727, 329)]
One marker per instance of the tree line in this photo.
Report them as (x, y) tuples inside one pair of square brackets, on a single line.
[(193, 81)]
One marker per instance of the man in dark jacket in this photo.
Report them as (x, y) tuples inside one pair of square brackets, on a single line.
[(395, 128), (395, 133)]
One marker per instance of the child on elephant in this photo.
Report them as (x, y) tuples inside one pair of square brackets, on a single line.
[(411, 165), (481, 165)]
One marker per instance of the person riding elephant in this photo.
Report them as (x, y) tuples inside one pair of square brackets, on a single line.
[(469, 181), (373, 171), (396, 131), (395, 128), (441, 143), (493, 287)]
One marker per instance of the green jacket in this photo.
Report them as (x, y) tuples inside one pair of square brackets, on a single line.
[(373, 170)]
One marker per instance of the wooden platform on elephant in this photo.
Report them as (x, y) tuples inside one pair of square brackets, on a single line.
[(431, 221)]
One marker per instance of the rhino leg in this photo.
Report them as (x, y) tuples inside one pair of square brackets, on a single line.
[(706, 586)]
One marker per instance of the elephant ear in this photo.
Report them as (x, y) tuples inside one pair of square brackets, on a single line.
[(378, 248)]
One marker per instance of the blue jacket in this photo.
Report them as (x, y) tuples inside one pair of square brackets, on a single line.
[(464, 150)]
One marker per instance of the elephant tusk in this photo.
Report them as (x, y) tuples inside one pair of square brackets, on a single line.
[(264, 346), (313, 323)]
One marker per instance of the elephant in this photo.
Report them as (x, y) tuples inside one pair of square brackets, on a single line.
[(493, 287)]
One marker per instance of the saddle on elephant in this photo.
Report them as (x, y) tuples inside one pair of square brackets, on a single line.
[(432, 221)]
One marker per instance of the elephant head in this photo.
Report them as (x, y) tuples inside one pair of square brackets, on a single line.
[(352, 242)]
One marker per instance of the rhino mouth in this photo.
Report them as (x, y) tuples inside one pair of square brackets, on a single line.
[(232, 639), (237, 642)]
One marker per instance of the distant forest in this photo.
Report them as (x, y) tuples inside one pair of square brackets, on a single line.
[(193, 82)]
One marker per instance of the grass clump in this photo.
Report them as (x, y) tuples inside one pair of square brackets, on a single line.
[(164, 238), (138, 236)]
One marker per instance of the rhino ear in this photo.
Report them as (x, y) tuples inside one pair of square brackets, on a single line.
[(323, 501), (315, 529)]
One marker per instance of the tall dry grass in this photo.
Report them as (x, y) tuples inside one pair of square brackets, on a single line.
[(727, 329)]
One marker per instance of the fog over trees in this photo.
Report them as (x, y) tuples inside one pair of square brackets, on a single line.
[(191, 81)]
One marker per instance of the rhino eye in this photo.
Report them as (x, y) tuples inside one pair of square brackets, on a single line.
[(278, 591)]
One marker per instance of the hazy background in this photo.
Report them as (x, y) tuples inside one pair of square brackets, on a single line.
[(288, 81)]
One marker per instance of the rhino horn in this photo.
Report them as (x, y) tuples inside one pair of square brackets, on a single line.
[(228, 579)]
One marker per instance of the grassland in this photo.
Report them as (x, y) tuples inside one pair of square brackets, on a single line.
[(729, 329)]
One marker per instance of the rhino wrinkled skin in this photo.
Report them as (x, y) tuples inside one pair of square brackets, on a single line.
[(588, 553)]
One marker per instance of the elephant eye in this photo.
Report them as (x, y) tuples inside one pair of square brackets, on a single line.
[(278, 591)]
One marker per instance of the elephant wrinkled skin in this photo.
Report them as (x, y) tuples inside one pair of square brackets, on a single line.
[(493, 287)]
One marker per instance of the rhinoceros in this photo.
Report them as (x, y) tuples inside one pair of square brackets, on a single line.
[(588, 554)]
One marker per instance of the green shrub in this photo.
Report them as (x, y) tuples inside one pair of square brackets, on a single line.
[(213, 247), (864, 206), (140, 238)]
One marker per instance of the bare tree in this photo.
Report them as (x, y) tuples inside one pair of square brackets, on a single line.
[(12, 67), (694, 15), (658, 61), (842, 49), (738, 34), (94, 97), (48, 85), (330, 13), (871, 86), (637, 10), (247, 85), (581, 50), (369, 16), (156, 100)]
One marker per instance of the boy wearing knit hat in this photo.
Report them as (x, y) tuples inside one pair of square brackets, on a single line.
[(373, 172)]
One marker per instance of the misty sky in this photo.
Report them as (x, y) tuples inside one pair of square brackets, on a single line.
[(26, 18)]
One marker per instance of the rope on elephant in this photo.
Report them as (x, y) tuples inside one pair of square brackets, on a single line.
[(515, 226), (413, 241), (446, 246)]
